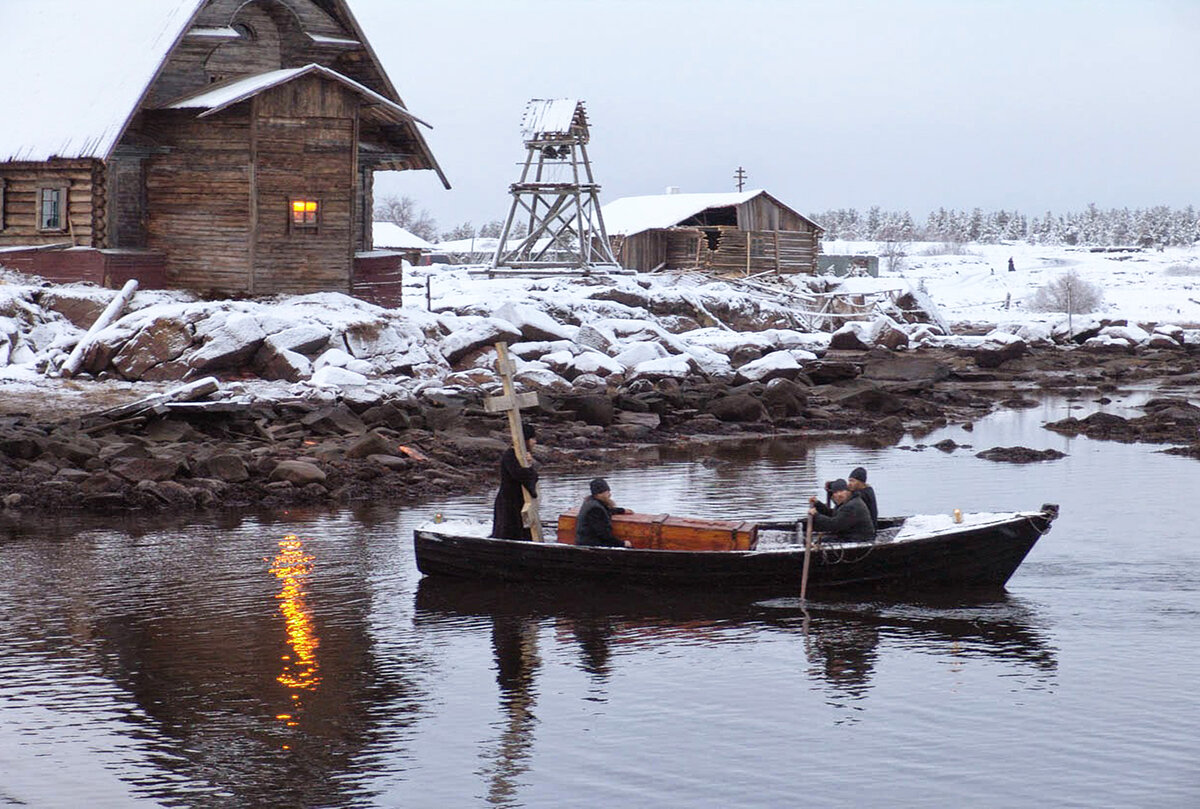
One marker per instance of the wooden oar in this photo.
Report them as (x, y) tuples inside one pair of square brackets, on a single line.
[(807, 554)]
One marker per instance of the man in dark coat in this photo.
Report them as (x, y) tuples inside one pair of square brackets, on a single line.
[(506, 514), (848, 521), (593, 526), (857, 484)]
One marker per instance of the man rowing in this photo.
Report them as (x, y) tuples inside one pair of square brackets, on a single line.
[(848, 521)]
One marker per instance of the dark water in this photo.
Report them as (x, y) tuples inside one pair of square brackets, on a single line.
[(297, 659)]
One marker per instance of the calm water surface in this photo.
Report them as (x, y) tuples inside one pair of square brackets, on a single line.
[(298, 660)]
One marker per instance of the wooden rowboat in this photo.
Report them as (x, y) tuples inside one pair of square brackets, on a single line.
[(914, 555)]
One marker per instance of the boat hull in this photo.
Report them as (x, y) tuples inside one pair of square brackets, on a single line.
[(974, 558)]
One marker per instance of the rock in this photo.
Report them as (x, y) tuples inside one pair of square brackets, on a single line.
[(360, 399), (297, 473), (283, 364), (229, 345), (532, 323), (1018, 403), (825, 372), (993, 356), (334, 377), (303, 339), (887, 333), (783, 398), (226, 467), (396, 463), (546, 380), (76, 449), (374, 339), (849, 337), (388, 414), (738, 407), (595, 339), (13, 500), (868, 397), (647, 421), (596, 410), (80, 307), (593, 362), (891, 368), (334, 419), (777, 364), (1163, 341), (370, 444), (673, 367), (637, 353), (161, 340), (1019, 454), (946, 445), (475, 333), (24, 448), (167, 492), (154, 469)]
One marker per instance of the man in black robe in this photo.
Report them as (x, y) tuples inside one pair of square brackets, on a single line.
[(857, 484), (593, 526), (848, 520), (506, 513)]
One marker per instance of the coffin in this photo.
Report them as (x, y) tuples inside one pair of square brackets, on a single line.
[(666, 533)]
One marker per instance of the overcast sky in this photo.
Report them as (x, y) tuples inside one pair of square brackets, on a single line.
[(909, 104)]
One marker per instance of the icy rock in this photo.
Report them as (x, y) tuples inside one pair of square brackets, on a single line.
[(711, 363), (365, 340), (595, 338), (1132, 335), (593, 362), (1162, 341), (331, 376), (532, 350), (589, 383), (772, 366), (532, 323), (283, 364), (1170, 330), (671, 367), (850, 337), (637, 353), (333, 357), (560, 362), (81, 307), (1036, 334), (302, 339), (543, 380), (886, 332), (476, 332), (230, 344), (161, 340)]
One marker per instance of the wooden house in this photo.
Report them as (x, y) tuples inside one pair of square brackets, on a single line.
[(225, 146), (746, 232)]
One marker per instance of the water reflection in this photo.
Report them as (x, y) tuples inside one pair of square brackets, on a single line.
[(515, 641), (292, 566)]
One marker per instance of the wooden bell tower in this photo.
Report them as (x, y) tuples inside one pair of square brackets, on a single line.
[(556, 196)]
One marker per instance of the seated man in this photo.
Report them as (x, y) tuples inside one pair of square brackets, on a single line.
[(848, 521), (594, 523), (859, 488)]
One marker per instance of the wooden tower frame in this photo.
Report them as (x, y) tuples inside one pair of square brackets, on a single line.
[(557, 194)]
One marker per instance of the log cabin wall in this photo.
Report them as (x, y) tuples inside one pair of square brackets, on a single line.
[(306, 148), (83, 183), (198, 198)]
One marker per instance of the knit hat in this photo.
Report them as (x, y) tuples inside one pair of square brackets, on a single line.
[(859, 474), (599, 486)]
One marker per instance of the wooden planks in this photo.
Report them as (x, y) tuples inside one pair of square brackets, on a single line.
[(667, 533)]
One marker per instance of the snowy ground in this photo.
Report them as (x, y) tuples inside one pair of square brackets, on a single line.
[(637, 315), (971, 288)]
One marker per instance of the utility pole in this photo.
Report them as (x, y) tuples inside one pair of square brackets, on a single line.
[(740, 176)]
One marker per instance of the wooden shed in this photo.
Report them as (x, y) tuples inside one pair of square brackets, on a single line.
[(225, 146), (745, 232)]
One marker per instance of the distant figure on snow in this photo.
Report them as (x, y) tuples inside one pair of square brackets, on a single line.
[(506, 514), (593, 526), (1011, 267)]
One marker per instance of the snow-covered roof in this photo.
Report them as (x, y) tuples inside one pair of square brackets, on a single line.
[(629, 215), (389, 234), (480, 244), (76, 71), (215, 99), (550, 117)]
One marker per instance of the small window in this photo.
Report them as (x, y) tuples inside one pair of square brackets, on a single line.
[(306, 214), (52, 208), (244, 31)]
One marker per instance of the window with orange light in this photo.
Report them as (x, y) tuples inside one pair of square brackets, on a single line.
[(306, 214)]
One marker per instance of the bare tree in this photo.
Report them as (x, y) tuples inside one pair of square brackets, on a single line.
[(1068, 293), (893, 246), (403, 211)]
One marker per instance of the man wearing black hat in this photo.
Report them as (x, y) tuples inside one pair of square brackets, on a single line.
[(859, 488), (848, 521), (506, 513), (594, 524)]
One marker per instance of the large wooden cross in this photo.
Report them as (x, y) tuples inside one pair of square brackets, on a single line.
[(511, 403)]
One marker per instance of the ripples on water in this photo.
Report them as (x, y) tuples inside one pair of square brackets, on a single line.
[(298, 659)]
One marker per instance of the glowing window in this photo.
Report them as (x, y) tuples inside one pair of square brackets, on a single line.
[(306, 214)]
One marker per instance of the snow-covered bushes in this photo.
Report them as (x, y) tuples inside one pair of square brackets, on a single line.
[(1067, 293)]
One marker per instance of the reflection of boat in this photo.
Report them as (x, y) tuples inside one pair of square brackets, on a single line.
[(911, 555)]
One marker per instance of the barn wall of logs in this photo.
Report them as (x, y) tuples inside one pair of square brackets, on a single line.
[(84, 184)]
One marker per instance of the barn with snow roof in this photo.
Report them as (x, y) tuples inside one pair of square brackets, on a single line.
[(746, 232), (225, 146)]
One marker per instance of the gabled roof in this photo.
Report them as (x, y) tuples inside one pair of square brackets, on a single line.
[(218, 97), (629, 215), (552, 118), (389, 234), (77, 71), (74, 73)]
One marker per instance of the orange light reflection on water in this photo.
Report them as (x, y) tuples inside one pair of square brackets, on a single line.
[(292, 566)]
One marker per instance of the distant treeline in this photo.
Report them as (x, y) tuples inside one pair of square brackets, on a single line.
[(1159, 226)]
